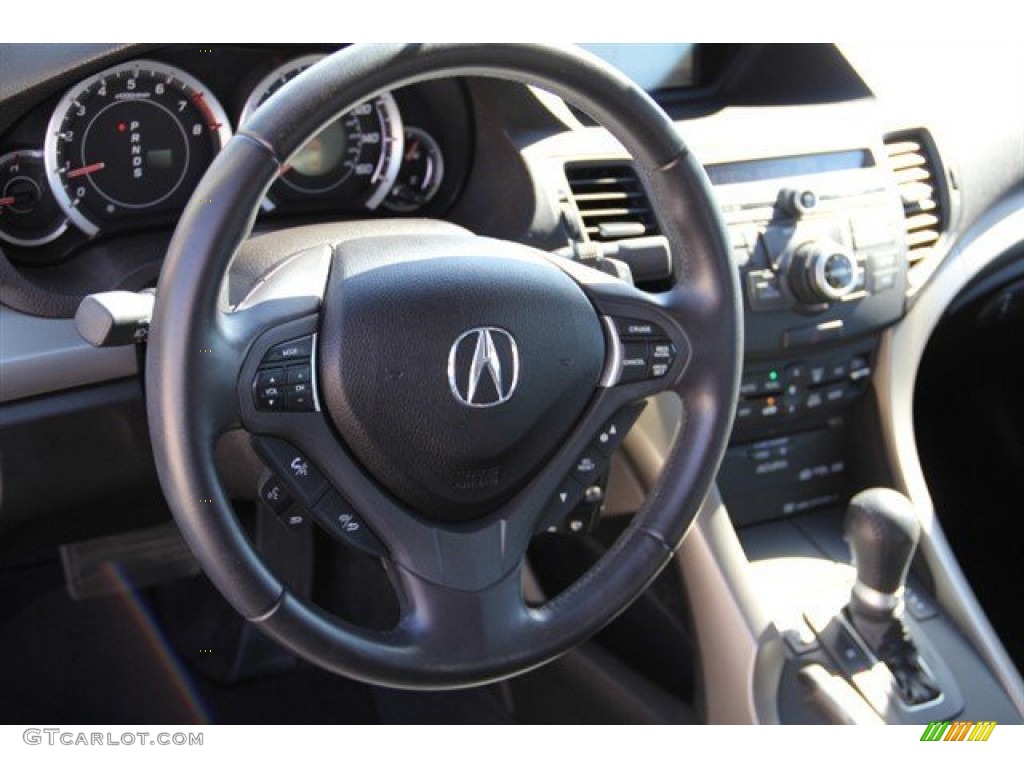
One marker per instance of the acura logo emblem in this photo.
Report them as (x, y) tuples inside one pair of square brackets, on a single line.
[(483, 367)]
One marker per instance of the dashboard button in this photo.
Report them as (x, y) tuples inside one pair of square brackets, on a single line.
[(297, 472), (839, 370), (638, 329), (275, 495), (589, 465), (298, 397), (615, 429), (835, 394), (884, 280), (294, 519), (568, 495), (337, 517), (764, 292), (663, 352), (299, 374), (296, 349), (270, 398), (271, 377), (744, 412), (635, 362), (797, 373)]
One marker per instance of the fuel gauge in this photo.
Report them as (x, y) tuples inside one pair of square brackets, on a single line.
[(420, 174), (29, 214)]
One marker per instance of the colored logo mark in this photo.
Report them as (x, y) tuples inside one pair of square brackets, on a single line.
[(958, 730)]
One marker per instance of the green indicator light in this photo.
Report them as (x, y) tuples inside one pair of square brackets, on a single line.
[(773, 375)]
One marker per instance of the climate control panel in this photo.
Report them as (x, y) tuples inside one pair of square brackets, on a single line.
[(779, 394)]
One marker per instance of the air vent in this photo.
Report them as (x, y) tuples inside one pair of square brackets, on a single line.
[(611, 201), (919, 176)]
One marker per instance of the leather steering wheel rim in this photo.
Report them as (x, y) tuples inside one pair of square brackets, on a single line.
[(464, 630)]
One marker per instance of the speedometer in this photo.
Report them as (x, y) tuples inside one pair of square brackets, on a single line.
[(354, 159), (131, 142)]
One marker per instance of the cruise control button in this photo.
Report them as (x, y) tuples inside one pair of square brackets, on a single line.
[(663, 352), (568, 495), (293, 468), (589, 465), (614, 431), (295, 349), (338, 518), (635, 362), (658, 370), (639, 329)]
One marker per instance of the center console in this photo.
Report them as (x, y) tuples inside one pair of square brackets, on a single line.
[(819, 244)]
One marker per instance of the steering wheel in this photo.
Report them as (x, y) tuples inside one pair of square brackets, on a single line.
[(463, 390)]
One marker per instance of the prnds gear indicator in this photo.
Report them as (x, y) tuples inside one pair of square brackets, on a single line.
[(131, 140)]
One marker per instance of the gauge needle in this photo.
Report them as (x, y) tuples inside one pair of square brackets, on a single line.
[(411, 152), (8, 200), (85, 170)]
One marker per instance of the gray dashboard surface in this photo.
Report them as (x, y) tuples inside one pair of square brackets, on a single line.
[(39, 355)]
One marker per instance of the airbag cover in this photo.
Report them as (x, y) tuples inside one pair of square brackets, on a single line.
[(453, 366)]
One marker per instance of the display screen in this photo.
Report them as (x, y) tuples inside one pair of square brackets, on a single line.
[(653, 66), (781, 167)]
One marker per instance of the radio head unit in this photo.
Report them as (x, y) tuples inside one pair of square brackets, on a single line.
[(820, 245)]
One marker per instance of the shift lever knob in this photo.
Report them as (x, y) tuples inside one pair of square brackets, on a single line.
[(882, 529)]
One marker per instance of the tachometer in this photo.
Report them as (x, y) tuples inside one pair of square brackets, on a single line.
[(355, 158), (131, 141)]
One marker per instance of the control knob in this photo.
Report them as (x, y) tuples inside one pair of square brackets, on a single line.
[(822, 271)]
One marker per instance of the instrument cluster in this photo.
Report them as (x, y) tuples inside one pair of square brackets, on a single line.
[(123, 149)]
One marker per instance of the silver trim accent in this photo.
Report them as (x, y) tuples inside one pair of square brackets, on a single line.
[(53, 176), (61, 228), (485, 361), (899, 359), (879, 601), (741, 653), (613, 361), (392, 144), (312, 373), (821, 252), (880, 668)]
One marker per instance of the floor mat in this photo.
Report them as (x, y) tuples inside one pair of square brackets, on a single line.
[(107, 661)]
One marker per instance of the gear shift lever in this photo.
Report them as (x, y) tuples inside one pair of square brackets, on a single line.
[(883, 530)]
